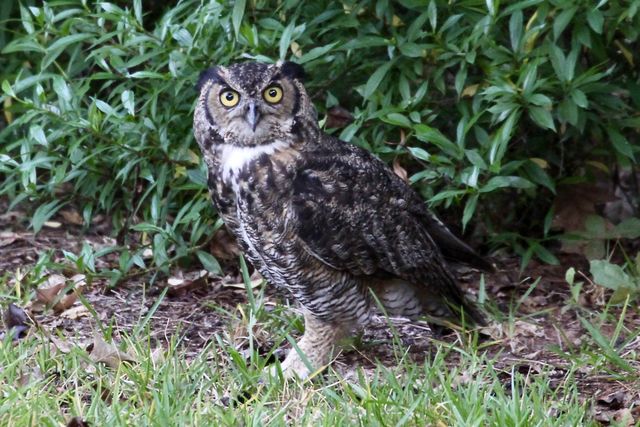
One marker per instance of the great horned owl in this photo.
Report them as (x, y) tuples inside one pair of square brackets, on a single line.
[(318, 216)]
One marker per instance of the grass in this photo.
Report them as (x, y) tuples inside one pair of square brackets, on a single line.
[(208, 390), (461, 382)]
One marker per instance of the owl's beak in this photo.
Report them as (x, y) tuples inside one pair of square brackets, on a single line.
[(252, 116)]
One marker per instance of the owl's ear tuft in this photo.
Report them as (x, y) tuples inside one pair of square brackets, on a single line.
[(293, 70), (212, 73)]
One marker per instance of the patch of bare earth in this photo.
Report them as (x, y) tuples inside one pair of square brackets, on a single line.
[(546, 330)]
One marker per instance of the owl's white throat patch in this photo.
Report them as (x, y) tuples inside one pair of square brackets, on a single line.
[(233, 158)]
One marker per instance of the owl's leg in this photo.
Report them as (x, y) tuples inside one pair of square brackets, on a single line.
[(316, 345)]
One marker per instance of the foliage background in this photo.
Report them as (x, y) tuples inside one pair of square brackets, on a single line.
[(488, 105)]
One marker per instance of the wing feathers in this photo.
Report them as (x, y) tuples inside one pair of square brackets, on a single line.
[(369, 226)]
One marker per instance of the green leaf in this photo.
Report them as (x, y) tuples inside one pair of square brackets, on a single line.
[(620, 143), (428, 134), (128, 100), (37, 134), (539, 99), (209, 262), (22, 46), (595, 20), (419, 153), (606, 348), (137, 10), (579, 98), (568, 111), (285, 39), (412, 50), (469, 209), (562, 20), (61, 88), (538, 175), (148, 75), (316, 53), (66, 41), (610, 275), (558, 62), (183, 37), (628, 229), (27, 20), (7, 89), (570, 275), (160, 255), (448, 194), (104, 107), (544, 254), (506, 181), (501, 138), (376, 78), (237, 14), (542, 117), (432, 11), (397, 119), (476, 159), (43, 213), (515, 30)]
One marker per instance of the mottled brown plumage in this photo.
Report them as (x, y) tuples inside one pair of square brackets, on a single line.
[(322, 218)]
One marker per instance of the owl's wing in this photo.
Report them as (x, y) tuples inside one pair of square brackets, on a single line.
[(355, 215)]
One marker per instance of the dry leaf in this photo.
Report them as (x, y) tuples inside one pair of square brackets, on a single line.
[(180, 285), (49, 293), (76, 312), (49, 290), (157, 356), (574, 203), (52, 224), (65, 302), (295, 49), (72, 217), (254, 284), (399, 170), (62, 346), (470, 91), (103, 352), (29, 376), (8, 237)]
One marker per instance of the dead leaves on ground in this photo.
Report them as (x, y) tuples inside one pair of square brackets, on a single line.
[(618, 407), (60, 293), (102, 352)]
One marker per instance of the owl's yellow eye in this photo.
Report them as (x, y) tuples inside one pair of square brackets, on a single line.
[(229, 98), (272, 94)]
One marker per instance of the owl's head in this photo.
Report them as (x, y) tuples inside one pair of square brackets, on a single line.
[(252, 103)]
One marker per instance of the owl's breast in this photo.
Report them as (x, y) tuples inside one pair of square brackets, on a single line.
[(252, 190)]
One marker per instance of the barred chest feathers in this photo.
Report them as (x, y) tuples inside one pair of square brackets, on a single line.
[(252, 192)]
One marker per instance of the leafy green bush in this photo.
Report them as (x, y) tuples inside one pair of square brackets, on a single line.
[(488, 106)]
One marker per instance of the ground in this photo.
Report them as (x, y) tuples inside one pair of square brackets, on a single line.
[(194, 340)]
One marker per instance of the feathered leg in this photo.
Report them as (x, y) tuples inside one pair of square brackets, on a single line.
[(317, 344)]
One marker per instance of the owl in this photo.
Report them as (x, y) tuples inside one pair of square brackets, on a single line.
[(324, 219)]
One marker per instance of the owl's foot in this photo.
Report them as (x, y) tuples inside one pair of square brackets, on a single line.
[(314, 350)]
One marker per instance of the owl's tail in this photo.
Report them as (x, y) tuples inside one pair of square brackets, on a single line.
[(449, 306), (453, 248)]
